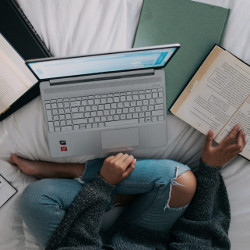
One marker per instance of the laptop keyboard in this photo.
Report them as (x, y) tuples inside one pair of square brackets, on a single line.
[(105, 110)]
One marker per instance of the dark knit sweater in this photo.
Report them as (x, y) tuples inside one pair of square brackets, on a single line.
[(204, 225)]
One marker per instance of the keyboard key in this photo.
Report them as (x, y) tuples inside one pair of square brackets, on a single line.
[(61, 111), (157, 112), (97, 101), (56, 124), (62, 117), (97, 119), (68, 116), (56, 118), (110, 100), (62, 123), (121, 123), (60, 105), (48, 106), (55, 112), (88, 126), (154, 119), (155, 95), (90, 102), (51, 127), (68, 122), (74, 110), (49, 115), (76, 127), (160, 100), (101, 125), (75, 104), (79, 121), (82, 126), (135, 115), (107, 106), (54, 106), (57, 129), (159, 106), (100, 113)]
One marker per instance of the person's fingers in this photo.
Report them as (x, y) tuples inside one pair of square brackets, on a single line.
[(209, 140), (231, 136), (127, 161), (130, 168), (234, 149), (244, 137), (117, 157), (123, 157), (240, 139)]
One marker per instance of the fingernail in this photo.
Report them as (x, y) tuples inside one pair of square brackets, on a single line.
[(131, 157), (210, 133)]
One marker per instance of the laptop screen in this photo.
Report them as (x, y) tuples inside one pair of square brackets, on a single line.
[(151, 57)]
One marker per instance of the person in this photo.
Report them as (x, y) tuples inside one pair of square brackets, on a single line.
[(171, 209)]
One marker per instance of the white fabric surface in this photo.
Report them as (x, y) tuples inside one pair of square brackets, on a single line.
[(89, 26)]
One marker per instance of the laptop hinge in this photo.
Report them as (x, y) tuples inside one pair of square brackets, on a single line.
[(101, 77)]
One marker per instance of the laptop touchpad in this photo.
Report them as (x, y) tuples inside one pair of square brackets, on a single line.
[(119, 138)]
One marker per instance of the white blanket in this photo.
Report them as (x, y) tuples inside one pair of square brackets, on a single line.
[(90, 26)]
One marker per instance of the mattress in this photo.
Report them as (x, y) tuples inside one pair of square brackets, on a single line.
[(81, 27)]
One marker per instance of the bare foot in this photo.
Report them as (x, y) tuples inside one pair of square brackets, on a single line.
[(42, 169)]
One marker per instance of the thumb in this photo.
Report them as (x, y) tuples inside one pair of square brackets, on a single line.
[(209, 139)]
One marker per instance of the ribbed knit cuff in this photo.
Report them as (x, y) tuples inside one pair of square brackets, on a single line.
[(208, 170)]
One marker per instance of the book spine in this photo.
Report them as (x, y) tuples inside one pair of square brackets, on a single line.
[(28, 23)]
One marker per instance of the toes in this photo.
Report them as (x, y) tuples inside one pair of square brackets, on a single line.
[(14, 159)]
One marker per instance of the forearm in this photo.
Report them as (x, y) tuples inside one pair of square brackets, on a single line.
[(83, 220), (206, 221)]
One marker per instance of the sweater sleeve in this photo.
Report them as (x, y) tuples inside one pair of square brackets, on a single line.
[(205, 223), (82, 222)]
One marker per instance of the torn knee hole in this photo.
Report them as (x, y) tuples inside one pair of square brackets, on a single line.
[(182, 190)]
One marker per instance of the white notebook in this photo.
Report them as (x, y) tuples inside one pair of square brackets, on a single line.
[(6, 190)]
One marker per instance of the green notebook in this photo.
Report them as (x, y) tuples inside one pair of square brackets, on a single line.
[(196, 26)]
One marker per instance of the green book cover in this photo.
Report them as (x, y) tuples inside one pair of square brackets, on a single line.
[(196, 26)]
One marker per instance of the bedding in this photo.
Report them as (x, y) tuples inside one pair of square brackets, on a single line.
[(81, 27)]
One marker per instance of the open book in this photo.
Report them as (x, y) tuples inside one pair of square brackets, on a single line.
[(218, 97), (15, 77)]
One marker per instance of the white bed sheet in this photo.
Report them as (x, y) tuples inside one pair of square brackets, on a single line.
[(89, 26)]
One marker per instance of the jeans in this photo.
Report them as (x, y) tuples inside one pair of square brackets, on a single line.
[(44, 203)]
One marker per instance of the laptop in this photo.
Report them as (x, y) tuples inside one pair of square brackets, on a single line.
[(106, 102)]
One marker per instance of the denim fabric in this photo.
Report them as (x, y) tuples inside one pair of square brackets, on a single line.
[(44, 203)]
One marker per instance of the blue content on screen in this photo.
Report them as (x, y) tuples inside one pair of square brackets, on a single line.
[(94, 64)]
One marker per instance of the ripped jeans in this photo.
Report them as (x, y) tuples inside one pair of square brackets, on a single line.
[(44, 203)]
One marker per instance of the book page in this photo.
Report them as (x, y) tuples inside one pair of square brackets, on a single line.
[(16, 62), (15, 77), (215, 96), (6, 191), (10, 90), (242, 116)]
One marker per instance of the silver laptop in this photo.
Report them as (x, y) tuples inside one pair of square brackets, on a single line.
[(104, 102)]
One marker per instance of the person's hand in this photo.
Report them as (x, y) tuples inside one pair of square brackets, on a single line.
[(229, 147), (117, 167)]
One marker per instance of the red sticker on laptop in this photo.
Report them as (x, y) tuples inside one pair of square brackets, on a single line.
[(64, 148)]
